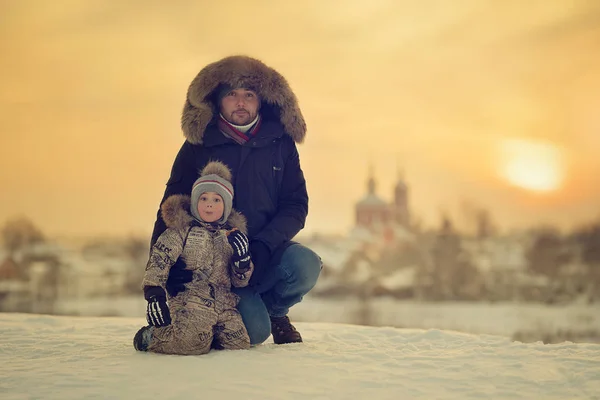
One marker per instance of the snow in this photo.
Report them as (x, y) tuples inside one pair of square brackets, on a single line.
[(334, 256), (401, 278), (53, 357)]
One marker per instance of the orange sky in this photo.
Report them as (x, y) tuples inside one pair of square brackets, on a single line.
[(91, 94)]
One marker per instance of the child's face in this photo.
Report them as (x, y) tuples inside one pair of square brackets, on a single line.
[(210, 206)]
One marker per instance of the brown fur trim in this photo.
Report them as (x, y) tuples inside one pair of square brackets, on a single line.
[(176, 213), (240, 71), (237, 220)]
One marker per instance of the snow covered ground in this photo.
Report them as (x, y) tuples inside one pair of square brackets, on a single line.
[(50, 357), (522, 320)]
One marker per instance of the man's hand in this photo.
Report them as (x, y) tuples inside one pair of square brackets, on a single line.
[(261, 257), (178, 277)]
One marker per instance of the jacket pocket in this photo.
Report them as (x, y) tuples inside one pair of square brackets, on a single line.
[(277, 170)]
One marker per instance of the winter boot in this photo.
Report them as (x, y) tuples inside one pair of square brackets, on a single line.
[(142, 338), (283, 331)]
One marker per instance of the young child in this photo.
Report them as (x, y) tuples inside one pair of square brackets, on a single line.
[(213, 244)]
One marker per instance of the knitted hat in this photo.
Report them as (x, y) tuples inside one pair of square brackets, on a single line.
[(215, 177), (224, 89)]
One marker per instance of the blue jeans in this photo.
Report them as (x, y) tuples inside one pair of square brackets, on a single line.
[(287, 283)]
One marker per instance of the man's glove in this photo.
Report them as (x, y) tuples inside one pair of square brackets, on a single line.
[(241, 254), (157, 311), (261, 257), (178, 277)]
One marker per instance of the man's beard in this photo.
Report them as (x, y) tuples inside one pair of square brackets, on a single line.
[(245, 116)]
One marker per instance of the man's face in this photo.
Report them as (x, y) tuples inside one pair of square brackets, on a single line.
[(240, 106), (210, 206)]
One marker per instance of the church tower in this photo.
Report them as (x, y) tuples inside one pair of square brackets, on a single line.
[(371, 211), (400, 206)]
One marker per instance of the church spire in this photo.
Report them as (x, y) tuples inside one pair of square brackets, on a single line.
[(399, 170), (371, 180)]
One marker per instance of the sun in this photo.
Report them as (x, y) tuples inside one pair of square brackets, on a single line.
[(532, 165)]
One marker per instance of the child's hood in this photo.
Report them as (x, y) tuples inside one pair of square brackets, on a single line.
[(175, 213)]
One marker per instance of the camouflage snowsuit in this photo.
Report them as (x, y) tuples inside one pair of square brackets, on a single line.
[(206, 310)]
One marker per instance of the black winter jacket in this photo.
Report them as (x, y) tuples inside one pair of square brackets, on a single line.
[(269, 186)]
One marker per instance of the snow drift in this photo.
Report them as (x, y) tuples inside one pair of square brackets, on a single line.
[(63, 358)]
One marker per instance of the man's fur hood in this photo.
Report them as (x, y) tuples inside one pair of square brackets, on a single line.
[(273, 90), (176, 214)]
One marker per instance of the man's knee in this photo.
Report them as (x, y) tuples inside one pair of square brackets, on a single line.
[(254, 314), (259, 330), (305, 265)]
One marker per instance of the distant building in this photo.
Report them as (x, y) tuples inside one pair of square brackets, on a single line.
[(388, 222), (14, 286), (10, 270)]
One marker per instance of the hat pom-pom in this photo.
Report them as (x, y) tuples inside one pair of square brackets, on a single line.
[(217, 168)]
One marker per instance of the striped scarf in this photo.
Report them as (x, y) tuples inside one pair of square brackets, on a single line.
[(210, 226), (235, 134)]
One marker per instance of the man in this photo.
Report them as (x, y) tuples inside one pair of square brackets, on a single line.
[(243, 113)]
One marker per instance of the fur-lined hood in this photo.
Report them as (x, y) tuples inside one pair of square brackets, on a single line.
[(176, 213), (240, 71)]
